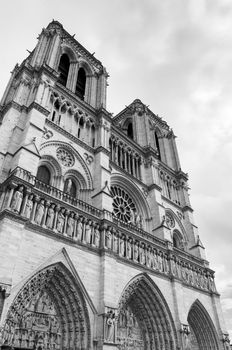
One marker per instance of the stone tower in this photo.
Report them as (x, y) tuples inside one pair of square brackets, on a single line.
[(97, 241)]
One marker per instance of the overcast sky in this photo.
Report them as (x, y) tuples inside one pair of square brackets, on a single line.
[(174, 55)]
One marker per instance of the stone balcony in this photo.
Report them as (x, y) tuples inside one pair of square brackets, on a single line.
[(46, 209)]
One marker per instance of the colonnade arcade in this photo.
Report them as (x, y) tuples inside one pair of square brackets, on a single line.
[(125, 157)]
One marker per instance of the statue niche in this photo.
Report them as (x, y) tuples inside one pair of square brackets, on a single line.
[(129, 334), (39, 326)]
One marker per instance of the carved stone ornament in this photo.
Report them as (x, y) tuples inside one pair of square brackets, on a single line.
[(129, 334), (170, 221), (65, 157)]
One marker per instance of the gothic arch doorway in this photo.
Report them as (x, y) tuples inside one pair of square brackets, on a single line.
[(49, 312), (203, 335), (144, 320)]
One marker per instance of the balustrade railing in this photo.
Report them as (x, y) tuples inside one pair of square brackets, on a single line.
[(25, 196)]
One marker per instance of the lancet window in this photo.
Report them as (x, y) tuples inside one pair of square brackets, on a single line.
[(125, 157), (81, 82), (71, 118), (63, 69)]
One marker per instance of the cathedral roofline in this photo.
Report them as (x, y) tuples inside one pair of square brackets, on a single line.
[(138, 106), (56, 24)]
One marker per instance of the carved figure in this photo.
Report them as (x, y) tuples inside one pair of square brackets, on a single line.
[(29, 206), (39, 212), (149, 257), (69, 185), (132, 217), (50, 216), (122, 247), (110, 326), (60, 221), (88, 230), (79, 229), (115, 247), (141, 222), (108, 239), (96, 240), (70, 225), (142, 255), (136, 251), (137, 219), (129, 249), (17, 200)]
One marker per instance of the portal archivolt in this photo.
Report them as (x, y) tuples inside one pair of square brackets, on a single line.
[(144, 319), (203, 335), (49, 312)]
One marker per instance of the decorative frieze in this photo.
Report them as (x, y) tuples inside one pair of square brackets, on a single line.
[(85, 225)]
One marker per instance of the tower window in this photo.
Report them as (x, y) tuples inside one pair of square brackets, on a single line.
[(43, 174), (130, 131), (63, 69), (81, 81), (157, 144)]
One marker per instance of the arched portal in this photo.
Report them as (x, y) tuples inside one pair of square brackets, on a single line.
[(144, 320), (49, 312), (203, 335)]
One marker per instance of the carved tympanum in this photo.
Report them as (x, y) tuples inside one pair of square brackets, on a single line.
[(129, 335)]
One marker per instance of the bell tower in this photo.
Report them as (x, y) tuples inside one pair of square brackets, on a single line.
[(98, 245)]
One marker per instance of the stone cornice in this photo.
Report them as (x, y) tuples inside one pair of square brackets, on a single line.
[(74, 98), (70, 136), (165, 199), (35, 105), (134, 179), (102, 149)]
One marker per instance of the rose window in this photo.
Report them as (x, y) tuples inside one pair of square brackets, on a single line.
[(123, 205), (65, 157)]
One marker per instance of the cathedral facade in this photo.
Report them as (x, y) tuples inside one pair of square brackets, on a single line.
[(98, 245)]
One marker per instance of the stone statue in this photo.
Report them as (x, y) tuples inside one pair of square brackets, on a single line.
[(137, 219), (70, 225), (149, 257), (108, 239), (132, 217), (122, 247), (110, 326), (129, 249), (88, 230), (115, 243), (39, 212), (142, 258), (17, 200), (60, 221), (69, 185), (136, 251), (50, 216), (96, 240), (28, 207), (79, 229)]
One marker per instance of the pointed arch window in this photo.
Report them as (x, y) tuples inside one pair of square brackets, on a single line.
[(81, 82), (130, 130), (157, 145), (43, 174), (63, 69)]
